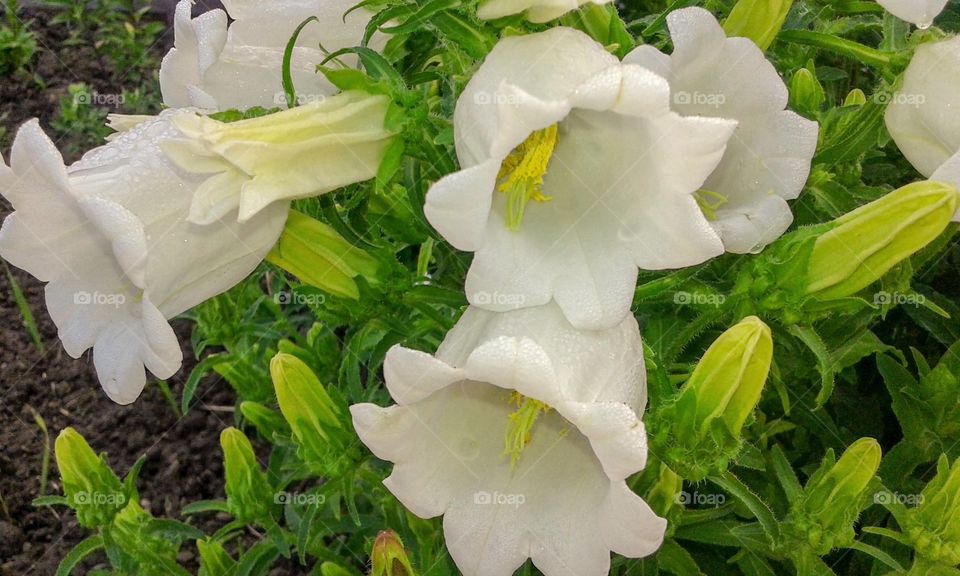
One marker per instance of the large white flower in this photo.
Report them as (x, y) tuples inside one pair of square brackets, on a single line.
[(520, 432), (919, 12), (922, 117), (767, 161), (213, 67), (535, 10), (110, 238), (575, 171)]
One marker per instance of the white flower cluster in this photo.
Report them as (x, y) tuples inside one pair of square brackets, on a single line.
[(578, 169)]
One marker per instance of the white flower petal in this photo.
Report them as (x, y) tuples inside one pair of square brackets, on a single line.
[(216, 68), (536, 10), (770, 154), (919, 12), (922, 117), (119, 364), (412, 375), (949, 172), (198, 42), (521, 66)]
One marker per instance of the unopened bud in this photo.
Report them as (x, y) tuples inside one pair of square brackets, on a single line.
[(388, 557), (806, 92), (865, 244), (701, 430), (758, 20), (93, 491), (856, 97), (249, 495), (320, 257), (932, 526), (319, 424), (824, 516)]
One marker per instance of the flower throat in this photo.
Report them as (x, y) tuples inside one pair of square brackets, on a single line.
[(521, 175)]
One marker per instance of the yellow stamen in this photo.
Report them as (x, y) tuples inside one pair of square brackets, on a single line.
[(522, 172), (520, 426), (710, 202)]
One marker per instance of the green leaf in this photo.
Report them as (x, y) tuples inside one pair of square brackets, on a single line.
[(204, 506), (758, 507), (878, 554), (675, 560), (288, 87), (77, 555)]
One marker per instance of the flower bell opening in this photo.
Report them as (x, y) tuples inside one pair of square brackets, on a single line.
[(520, 425), (521, 175)]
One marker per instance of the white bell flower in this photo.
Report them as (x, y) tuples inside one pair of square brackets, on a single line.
[(110, 238), (213, 67), (921, 117), (767, 161), (919, 12), (575, 171), (537, 11), (307, 151), (521, 431)]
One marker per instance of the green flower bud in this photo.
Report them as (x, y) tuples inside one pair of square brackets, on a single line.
[(932, 527), (806, 92), (823, 517), (701, 428), (388, 557), (818, 269), (320, 257), (758, 20), (865, 244), (249, 495), (856, 97), (320, 425), (727, 382), (93, 491)]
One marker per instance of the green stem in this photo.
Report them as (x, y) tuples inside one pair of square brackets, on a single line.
[(168, 396), (867, 55)]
